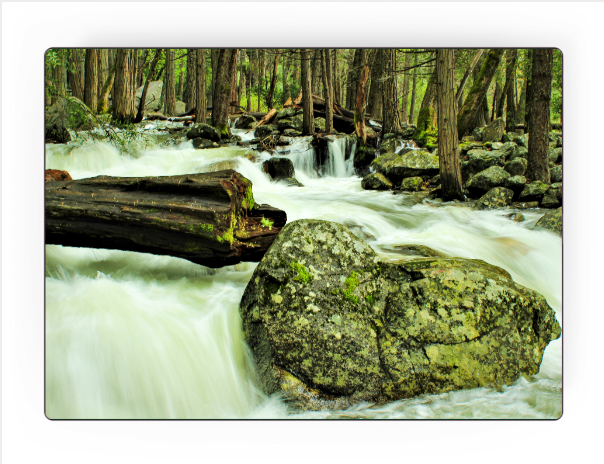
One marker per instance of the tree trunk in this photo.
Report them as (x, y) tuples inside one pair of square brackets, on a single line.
[(233, 76), (77, 77), (222, 91), (510, 116), (210, 219), (141, 104), (103, 68), (327, 89), (391, 122), (405, 104), (181, 82), (316, 72), (285, 84), (141, 68), (426, 119), (59, 74), (510, 67), (496, 99), (413, 93), (376, 84), (271, 90), (91, 79), (357, 68), (104, 95), (170, 84), (359, 110), (464, 79), (308, 122), (250, 76), (190, 96), (259, 78), (448, 155), (200, 86), (123, 91), (469, 113), (541, 83), (529, 91)]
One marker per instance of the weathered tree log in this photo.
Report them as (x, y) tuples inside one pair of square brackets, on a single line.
[(209, 219)]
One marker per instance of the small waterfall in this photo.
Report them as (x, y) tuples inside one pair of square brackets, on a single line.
[(405, 144), (337, 165), (303, 156)]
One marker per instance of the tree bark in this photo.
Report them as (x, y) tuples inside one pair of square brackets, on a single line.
[(413, 93), (308, 122), (450, 169), (214, 53), (91, 79), (123, 91), (222, 92), (190, 96), (144, 62), (376, 84), (469, 113), (143, 100), (464, 79), (316, 71), (510, 116), (77, 77), (328, 89), (170, 84), (59, 74), (271, 89), (359, 111), (200, 86), (104, 95), (406, 78), (391, 121), (234, 59), (529, 91), (210, 219), (510, 67), (496, 99), (541, 82), (103, 68)]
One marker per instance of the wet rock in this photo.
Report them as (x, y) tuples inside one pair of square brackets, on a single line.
[(360, 231), (556, 174), (153, 100), (516, 167), (551, 221), (498, 197), (550, 201), (412, 184), (408, 130), (67, 113), (292, 133), (464, 148), (205, 131), (525, 204), (201, 143), (477, 134), (287, 113), (292, 182), (421, 251), (516, 217), (513, 137), (467, 138), (485, 180), (279, 168), (493, 132), (330, 325), (534, 191), (245, 122), (264, 131), (376, 181), (53, 175), (397, 167), (522, 153)]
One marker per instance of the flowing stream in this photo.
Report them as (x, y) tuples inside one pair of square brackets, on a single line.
[(133, 335)]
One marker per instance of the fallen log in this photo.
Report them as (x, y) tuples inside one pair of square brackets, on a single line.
[(266, 119), (209, 219)]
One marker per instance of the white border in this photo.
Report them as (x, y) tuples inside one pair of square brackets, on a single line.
[(28, 29)]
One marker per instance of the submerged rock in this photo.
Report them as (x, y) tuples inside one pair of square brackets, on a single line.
[(551, 221), (330, 325), (376, 181), (412, 184), (516, 217), (397, 167), (279, 168)]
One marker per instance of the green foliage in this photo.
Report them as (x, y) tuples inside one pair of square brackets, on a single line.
[(302, 275), (556, 101), (350, 285), (266, 223)]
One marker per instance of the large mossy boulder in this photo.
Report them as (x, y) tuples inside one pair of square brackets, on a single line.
[(376, 181), (153, 99), (279, 168), (410, 163), (496, 198), (509, 150), (245, 122), (479, 160), (556, 174), (493, 132), (485, 180), (516, 167), (264, 131), (330, 325), (67, 113), (204, 130), (534, 191), (551, 221)]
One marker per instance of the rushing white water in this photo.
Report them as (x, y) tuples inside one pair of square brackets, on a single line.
[(131, 335)]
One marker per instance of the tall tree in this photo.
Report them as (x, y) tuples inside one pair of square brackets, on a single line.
[(170, 84), (528, 94), (360, 94), (473, 105), (227, 58), (271, 89), (448, 155), (356, 68), (508, 91), (464, 79), (376, 91), (234, 59), (406, 78), (90, 79), (308, 122), (59, 74), (200, 86), (327, 89), (190, 96), (141, 67), (123, 88), (76, 76), (143, 100), (391, 120), (101, 107), (413, 93), (541, 82), (103, 68)]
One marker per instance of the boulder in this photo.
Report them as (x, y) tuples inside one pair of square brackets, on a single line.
[(286, 113), (556, 174), (509, 150), (550, 201), (292, 133), (556, 190), (516, 217), (204, 130), (180, 107), (479, 160), (264, 131), (485, 180), (412, 184), (522, 153), (376, 181), (153, 100), (516, 184), (534, 191), (408, 130), (555, 155), (493, 132), (279, 168), (201, 143), (551, 221), (245, 122), (513, 137), (330, 325), (477, 134), (411, 163), (67, 113), (55, 175), (516, 167), (498, 197)]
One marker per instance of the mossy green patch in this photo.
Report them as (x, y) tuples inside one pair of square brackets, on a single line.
[(302, 275), (350, 285)]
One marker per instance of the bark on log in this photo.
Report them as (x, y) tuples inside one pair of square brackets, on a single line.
[(209, 219)]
